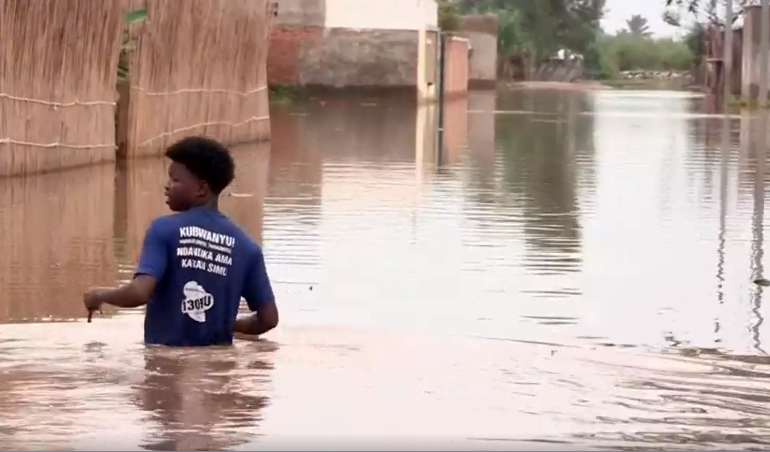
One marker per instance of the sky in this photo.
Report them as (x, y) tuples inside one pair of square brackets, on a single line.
[(618, 11)]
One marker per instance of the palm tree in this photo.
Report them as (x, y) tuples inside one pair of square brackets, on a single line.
[(637, 26)]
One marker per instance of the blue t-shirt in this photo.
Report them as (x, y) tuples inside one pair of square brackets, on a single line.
[(203, 264)]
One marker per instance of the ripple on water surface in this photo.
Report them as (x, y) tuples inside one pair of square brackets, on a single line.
[(578, 276)]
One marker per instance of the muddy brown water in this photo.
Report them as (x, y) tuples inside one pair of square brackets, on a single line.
[(573, 271)]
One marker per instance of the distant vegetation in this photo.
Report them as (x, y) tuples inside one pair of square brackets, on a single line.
[(626, 51), (448, 16), (538, 29), (705, 11), (637, 26), (701, 15)]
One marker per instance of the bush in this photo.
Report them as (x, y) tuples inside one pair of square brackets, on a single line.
[(448, 16), (624, 52)]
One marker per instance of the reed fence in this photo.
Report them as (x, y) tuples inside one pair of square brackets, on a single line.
[(197, 69), (57, 83)]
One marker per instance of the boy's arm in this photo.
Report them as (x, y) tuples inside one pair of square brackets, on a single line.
[(152, 265), (132, 295), (259, 296)]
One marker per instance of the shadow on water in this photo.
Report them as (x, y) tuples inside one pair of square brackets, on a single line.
[(572, 269)]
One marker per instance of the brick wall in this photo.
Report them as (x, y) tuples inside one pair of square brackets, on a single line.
[(287, 43)]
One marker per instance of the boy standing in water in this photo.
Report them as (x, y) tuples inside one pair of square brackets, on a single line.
[(196, 264)]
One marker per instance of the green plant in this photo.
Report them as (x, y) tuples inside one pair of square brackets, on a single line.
[(536, 30), (127, 43), (624, 52), (448, 16), (283, 94), (696, 42)]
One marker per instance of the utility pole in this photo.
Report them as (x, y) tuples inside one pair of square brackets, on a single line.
[(727, 61), (764, 37)]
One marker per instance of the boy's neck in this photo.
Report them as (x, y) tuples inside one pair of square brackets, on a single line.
[(211, 204)]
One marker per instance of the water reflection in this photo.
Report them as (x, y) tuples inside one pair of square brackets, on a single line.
[(608, 199), (456, 126), (570, 268), (204, 403), (481, 129), (88, 380), (56, 232), (758, 233), (547, 159)]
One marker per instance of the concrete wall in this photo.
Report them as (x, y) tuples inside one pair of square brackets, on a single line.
[(350, 43), (426, 65), (361, 58), (750, 71), (456, 66), (736, 80), (343, 57), (301, 12), (382, 14), (481, 31)]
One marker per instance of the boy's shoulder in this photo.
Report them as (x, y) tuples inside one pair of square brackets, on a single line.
[(163, 225), (172, 218)]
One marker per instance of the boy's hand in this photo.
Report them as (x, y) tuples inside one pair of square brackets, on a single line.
[(93, 299)]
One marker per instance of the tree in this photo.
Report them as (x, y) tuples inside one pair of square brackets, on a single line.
[(696, 42), (542, 27), (448, 16), (701, 9), (706, 14), (637, 26)]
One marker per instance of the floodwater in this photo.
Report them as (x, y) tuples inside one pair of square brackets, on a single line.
[(572, 271)]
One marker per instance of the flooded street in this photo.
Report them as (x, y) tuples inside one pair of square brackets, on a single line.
[(573, 271)]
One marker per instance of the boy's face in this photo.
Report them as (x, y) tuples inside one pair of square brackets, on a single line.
[(183, 189)]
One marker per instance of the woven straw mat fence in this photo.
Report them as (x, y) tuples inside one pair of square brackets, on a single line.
[(198, 69), (57, 83)]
